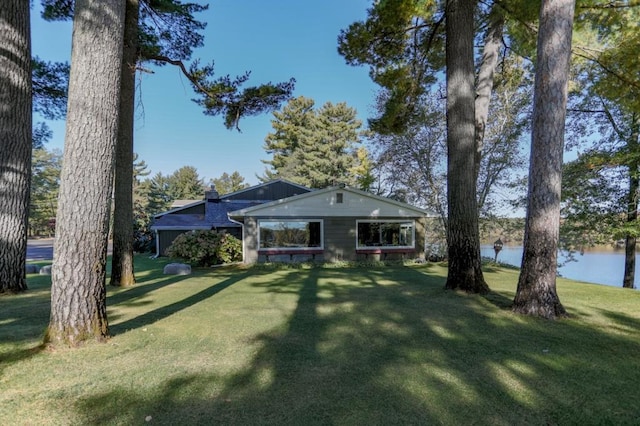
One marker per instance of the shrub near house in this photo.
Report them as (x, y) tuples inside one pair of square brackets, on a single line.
[(206, 248)]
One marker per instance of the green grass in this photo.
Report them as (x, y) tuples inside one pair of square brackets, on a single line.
[(346, 346)]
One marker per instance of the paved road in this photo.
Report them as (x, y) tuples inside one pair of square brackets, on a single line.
[(42, 249)]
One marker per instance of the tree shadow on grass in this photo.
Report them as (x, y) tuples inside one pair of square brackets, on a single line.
[(392, 347), (23, 318), (124, 295), (170, 309), (622, 322)]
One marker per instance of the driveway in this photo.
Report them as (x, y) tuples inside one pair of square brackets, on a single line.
[(42, 249)]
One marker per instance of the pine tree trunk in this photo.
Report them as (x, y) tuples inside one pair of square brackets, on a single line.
[(465, 272), (78, 294), (628, 281), (488, 65), (122, 269), (536, 293), (15, 142)]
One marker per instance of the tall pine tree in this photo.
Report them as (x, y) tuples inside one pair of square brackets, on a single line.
[(15, 142), (78, 294)]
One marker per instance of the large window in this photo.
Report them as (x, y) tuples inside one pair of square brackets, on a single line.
[(373, 234), (290, 234)]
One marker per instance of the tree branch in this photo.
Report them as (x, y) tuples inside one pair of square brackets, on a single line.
[(612, 5), (184, 70), (607, 69)]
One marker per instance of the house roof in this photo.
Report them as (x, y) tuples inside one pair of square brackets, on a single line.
[(238, 195), (214, 213), (216, 216), (325, 202), (260, 194), (217, 213), (177, 210), (180, 222), (183, 203)]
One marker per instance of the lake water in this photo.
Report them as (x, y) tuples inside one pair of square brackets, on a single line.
[(602, 266)]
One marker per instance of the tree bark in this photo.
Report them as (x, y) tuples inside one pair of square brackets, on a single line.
[(122, 267), (464, 272), (78, 294), (488, 65), (15, 142), (536, 293), (628, 280)]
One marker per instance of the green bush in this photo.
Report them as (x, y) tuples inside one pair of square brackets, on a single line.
[(205, 248)]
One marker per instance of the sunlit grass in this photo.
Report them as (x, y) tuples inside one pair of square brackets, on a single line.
[(349, 345)]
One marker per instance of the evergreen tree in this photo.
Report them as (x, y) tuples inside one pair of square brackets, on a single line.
[(15, 142), (403, 44), (122, 267), (50, 81), (153, 195), (185, 184), (536, 293), (228, 183), (45, 184), (166, 32), (315, 148), (78, 293), (463, 235), (288, 125)]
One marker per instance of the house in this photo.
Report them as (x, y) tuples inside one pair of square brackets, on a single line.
[(211, 213), (332, 224), (281, 221)]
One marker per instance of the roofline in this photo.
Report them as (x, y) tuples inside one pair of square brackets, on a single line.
[(251, 188), (180, 228), (243, 212), (177, 209), (225, 196)]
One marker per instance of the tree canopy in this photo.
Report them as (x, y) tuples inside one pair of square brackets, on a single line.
[(316, 147), (228, 183)]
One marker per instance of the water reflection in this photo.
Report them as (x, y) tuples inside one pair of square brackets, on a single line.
[(598, 266)]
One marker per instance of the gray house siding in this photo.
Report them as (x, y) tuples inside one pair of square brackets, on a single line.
[(165, 238), (340, 238), (339, 243), (250, 243)]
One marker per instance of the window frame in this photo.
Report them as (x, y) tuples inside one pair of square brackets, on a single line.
[(400, 222), (300, 249)]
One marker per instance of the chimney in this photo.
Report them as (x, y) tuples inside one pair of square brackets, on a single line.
[(212, 195)]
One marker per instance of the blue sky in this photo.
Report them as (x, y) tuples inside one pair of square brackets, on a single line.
[(274, 39)]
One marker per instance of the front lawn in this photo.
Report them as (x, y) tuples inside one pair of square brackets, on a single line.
[(326, 345)]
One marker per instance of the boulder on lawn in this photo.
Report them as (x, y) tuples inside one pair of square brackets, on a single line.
[(32, 269), (45, 270), (177, 269)]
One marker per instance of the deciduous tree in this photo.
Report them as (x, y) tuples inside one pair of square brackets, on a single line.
[(403, 43), (601, 198)]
